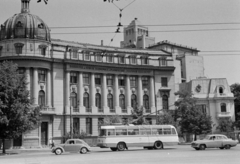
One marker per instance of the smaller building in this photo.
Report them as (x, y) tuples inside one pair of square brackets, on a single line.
[(214, 97)]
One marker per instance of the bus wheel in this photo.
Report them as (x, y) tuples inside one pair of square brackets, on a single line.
[(158, 145), (121, 146), (113, 148)]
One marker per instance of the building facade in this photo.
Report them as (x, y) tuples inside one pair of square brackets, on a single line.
[(82, 83), (213, 96)]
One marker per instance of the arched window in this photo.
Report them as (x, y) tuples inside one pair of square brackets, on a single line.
[(220, 90), (223, 107), (133, 101), (86, 100), (122, 101), (146, 102), (110, 100), (165, 101), (41, 98), (98, 100), (73, 100)]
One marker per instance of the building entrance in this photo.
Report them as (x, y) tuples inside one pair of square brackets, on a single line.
[(44, 133)]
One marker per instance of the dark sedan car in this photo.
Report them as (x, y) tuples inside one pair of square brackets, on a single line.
[(72, 145)]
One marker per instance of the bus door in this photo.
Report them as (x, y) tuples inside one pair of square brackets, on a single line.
[(145, 135)]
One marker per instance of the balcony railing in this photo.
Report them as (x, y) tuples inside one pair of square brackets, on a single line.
[(89, 110), (112, 111), (47, 109), (124, 110), (223, 114), (148, 111), (100, 110)]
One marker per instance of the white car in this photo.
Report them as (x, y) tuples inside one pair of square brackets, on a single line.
[(214, 141)]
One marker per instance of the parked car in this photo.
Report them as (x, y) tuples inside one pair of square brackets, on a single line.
[(214, 141), (72, 145)]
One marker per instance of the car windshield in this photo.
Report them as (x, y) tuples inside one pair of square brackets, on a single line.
[(207, 137)]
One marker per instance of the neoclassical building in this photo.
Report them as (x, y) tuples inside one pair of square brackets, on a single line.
[(214, 97), (81, 82)]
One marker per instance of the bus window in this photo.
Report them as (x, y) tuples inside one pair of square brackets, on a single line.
[(121, 132), (174, 131), (133, 131), (167, 131), (145, 132), (160, 131), (103, 132), (111, 132)]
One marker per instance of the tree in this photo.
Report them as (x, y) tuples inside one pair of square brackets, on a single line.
[(16, 114), (110, 120), (138, 115), (235, 89), (191, 119), (225, 125), (166, 118)]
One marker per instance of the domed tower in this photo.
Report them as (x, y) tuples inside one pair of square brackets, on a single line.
[(24, 33)]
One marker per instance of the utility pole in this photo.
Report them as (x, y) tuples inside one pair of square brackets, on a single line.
[(71, 128)]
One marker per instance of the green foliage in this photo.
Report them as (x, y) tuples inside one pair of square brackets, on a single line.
[(138, 116), (17, 116), (225, 125), (110, 120), (191, 119), (77, 135), (235, 89)]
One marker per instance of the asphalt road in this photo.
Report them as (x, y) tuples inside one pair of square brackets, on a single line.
[(181, 154)]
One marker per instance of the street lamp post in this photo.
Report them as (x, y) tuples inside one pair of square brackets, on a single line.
[(71, 128)]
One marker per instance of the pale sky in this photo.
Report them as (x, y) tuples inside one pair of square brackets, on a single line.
[(79, 13)]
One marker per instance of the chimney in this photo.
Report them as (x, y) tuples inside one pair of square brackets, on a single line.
[(101, 42)]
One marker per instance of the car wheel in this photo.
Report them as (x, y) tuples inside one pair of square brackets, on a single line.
[(121, 146), (83, 150), (58, 151), (158, 145), (113, 148), (202, 147), (227, 146), (221, 148), (196, 148)]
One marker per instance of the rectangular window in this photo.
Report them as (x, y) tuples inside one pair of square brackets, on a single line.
[(85, 78), (121, 81), (76, 126), (202, 108), (133, 60), (73, 77), (98, 58), (120, 132), (89, 125), (109, 80), (121, 60), (1, 47), (144, 60), (86, 56), (43, 51), (164, 82), (163, 62), (42, 75), (74, 54), (133, 81), (18, 49), (110, 58), (98, 79), (145, 81)]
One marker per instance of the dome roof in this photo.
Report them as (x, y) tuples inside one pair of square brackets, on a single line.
[(25, 25)]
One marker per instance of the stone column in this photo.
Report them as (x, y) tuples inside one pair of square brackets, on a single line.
[(93, 93), (80, 92), (67, 92), (35, 86), (48, 89), (140, 95), (104, 94), (116, 95), (152, 95), (128, 94), (28, 81)]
